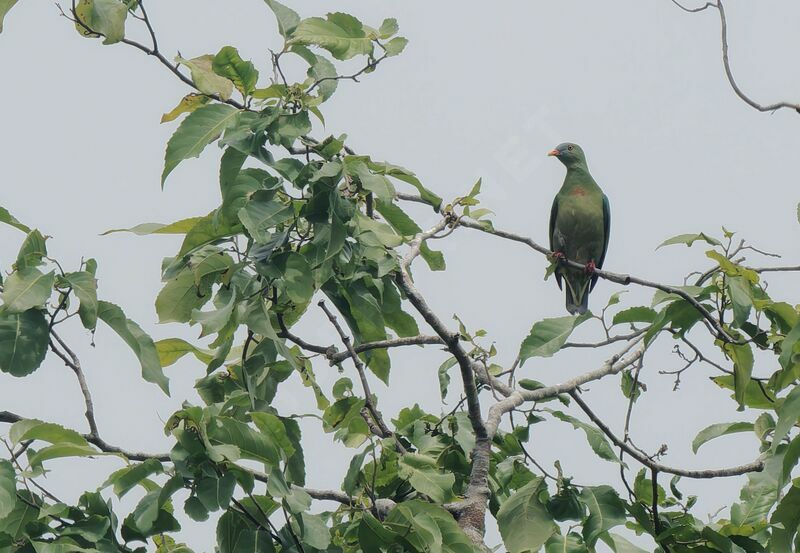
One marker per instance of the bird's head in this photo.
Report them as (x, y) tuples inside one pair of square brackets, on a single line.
[(569, 154)]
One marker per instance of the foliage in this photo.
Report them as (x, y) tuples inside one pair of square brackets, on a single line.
[(302, 219)]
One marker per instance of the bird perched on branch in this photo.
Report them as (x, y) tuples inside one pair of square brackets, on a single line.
[(580, 221)]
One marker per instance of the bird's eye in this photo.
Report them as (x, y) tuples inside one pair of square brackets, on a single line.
[(569, 148)]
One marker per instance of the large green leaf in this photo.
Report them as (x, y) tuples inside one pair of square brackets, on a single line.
[(125, 479), (102, 17), (8, 488), (428, 528), (594, 436), (33, 429), (690, 239), (179, 298), (717, 430), (788, 415), (84, 285), (258, 217), (236, 534), (23, 341), (525, 524), (287, 18), (742, 357), (227, 63), (785, 520), (5, 216), (178, 227), (424, 475), (571, 543), (200, 128), (138, 340), (606, 510), (547, 336), (340, 34), (33, 249), (60, 450), (26, 289), (205, 78), (215, 492), (252, 445), (171, 349)]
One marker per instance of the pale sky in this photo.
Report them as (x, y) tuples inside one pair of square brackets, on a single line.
[(482, 90)]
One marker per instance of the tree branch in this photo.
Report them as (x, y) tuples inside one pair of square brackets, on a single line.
[(727, 64), (383, 430), (623, 279), (755, 466)]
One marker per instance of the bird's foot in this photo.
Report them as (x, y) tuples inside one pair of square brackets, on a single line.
[(591, 268), (559, 256)]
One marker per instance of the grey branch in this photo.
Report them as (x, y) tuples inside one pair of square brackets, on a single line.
[(382, 430), (623, 279), (727, 64), (755, 466)]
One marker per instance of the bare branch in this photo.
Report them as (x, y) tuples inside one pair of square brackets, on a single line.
[(755, 466), (727, 64), (382, 430), (623, 279)]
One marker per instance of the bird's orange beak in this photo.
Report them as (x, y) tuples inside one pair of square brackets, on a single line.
[(553, 153)]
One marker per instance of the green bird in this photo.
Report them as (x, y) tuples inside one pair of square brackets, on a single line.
[(580, 220)]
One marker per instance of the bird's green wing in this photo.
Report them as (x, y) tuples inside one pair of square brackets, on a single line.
[(606, 230), (553, 216)]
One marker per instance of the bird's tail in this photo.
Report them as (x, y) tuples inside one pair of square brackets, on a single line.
[(577, 292)]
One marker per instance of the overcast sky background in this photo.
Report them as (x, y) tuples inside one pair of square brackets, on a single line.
[(483, 90)]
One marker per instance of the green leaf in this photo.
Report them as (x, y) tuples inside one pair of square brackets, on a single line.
[(215, 493), (717, 430), (299, 279), (314, 532), (341, 34), (188, 104), (171, 349), (287, 18), (444, 376), (61, 450), (8, 488), (125, 479), (690, 239), (788, 415), (23, 341), (33, 249), (323, 69), (547, 336), (424, 475), (136, 338), (756, 395), (206, 78), (178, 227), (5, 216), (635, 315), (429, 528), (216, 319), (179, 298), (741, 297), (742, 357), (258, 217), (252, 445), (33, 429), (353, 471), (594, 436), (102, 17), (84, 285), (236, 534), (524, 522), (227, 63), (606, 510), (571, 543), (26, 289), (201, 127), (395, 46)]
